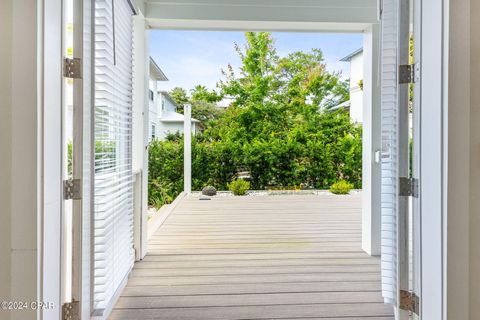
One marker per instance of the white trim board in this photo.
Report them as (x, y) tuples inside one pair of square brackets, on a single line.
[(238, 25), (336, 11)]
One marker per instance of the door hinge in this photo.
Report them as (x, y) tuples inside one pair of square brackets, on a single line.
[(408, 73), (408, 187), (72, 189), (72, 68), (71, 311), (409, 301)]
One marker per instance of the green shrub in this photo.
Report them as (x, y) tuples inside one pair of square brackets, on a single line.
[(311, 154), (341, 187), (239, 187), (165, 171), (160, 193)]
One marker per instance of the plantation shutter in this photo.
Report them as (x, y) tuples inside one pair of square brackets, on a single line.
[(389, 164), (113, 183)]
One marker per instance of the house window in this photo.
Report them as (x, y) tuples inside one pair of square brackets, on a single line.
[(163, 104), (150, 94), (153, 132)]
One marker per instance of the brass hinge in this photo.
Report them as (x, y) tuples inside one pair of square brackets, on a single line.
[(71, 311), (72, 68), (409, 301), (408, 73), (408, 187), (72, 189)]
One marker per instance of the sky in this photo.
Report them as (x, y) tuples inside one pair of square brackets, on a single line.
[(189, 58)]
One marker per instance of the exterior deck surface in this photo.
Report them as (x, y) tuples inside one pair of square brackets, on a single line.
[(257, 257)]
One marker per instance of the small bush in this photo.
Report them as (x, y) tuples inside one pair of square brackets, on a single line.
[(159, 193), (239, 187), (341, 187)]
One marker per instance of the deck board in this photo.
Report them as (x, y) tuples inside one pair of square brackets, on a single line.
[(264, 257)]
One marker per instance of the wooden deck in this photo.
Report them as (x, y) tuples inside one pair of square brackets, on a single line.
[(265, 257)]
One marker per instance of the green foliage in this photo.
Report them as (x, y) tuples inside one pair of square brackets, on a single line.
[(160, 192), (206, 111), (203, 102), (360, 84), (279, 127), (70, 159), (201, 93), (180, 96), (239, 187), (165, 171), (341, 187)]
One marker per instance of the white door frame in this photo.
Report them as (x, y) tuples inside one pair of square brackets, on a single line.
[(432, 157), (165, 15), (434, 167), (49, 146), (403, 221)]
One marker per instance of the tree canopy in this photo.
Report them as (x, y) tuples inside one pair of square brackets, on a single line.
[(203, 102)]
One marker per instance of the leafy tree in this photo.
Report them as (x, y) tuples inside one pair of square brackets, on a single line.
[(180, 96), (201, 93), (257, 80), (299, 80), (206, 111), (305, 80), (203, 102)]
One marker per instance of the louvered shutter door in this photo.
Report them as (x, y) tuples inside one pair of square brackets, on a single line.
[(113, 183), (389, 125)]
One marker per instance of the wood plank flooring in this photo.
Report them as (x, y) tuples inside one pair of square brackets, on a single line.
[(262, 257)]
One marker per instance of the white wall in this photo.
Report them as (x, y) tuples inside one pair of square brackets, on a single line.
[(450, 167), (19, 184), (463, 204), (356, 93), (165, 105), (458, 161), (474, 174), (6, 154)]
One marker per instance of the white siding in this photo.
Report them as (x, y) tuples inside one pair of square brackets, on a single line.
[(153, 106), (165, 105), (171, 127), (356, 93)]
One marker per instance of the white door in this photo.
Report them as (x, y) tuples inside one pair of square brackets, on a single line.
[(397, 184), (113, 255)]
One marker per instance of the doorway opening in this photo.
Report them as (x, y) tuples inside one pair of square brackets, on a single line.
[(271, 134), (310, 91)]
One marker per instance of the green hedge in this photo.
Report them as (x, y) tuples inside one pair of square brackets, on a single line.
[(312, 158)]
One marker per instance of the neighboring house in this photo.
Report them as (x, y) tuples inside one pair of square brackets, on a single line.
[(355, 105), (169, 120), (156, 74), (162, 109)]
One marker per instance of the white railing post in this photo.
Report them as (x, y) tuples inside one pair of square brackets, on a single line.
[(187, 149)]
